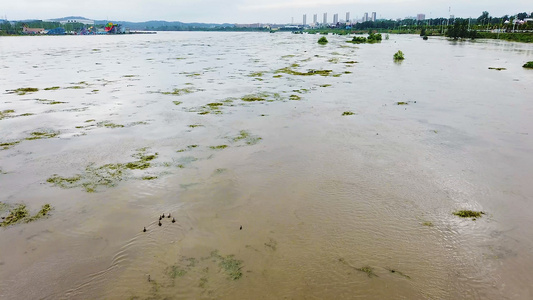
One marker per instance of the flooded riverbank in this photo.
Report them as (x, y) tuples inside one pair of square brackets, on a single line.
[(276, 192)]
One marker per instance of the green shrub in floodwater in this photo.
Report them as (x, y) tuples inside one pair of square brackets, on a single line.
[(528, 65), (374, 38), (398, 56), (469, 214), (348, 113), (323, 40), (425, 38), (20, 214)]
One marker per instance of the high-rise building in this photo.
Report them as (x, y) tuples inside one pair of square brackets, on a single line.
[(347, 17), (305, 20), (420, 17), (315, 18), (325, 18), (374, 16), (335, 18), (365, 17)]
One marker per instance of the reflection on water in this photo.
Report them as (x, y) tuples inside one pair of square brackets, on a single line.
[(274, 192)]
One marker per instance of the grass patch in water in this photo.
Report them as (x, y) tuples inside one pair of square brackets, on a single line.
[(37, 135), (229, 264), (24, 91), (497, 69), (427, 223), (469, 214), (50, 102), (215, 104), (176, 271), (252, 98), (178, 92), (348, 113), (53, 88), (349, 62), (177, 102), (295, 97), (402, 103), (219, 147), (247, 137), (195, 125), (277, 76), (6, 113), (257, 74), (149, 177), (5, 146), (75, 87), (368, 270), (20, 214), (108, 124), (310, 72)]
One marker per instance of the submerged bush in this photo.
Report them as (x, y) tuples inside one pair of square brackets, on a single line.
[(468, 214), (528, 65), (323, 40), (399, 55)]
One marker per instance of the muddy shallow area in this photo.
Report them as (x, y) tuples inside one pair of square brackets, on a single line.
[(292, 170)]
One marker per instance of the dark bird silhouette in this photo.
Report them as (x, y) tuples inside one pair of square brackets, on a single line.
[(168, 215), (144, 230), (241, 228), (160, 223), (173, 220), (160, 218)]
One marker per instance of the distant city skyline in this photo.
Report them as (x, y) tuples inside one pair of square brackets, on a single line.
[(252, 11)]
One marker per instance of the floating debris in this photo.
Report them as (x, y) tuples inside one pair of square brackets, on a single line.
[(348, 113), (469, 214)]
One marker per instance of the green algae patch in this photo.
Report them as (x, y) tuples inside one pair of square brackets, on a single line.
[(368, 270), (53, 88), (219, 147), (38, 135), (20, 214), (248, 138), (229, 264), (528, 65), (63, 182), (109, 124), (252, 98), (295, 97), (469, 214), (348, 113), (177, 102)]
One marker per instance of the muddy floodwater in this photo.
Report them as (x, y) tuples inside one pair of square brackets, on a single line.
[(291, 170)]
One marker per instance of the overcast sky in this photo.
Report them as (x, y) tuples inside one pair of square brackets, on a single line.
[(251, 11)]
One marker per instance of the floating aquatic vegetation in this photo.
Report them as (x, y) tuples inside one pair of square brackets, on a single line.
[(497, 69), (310, 72), (75, 87), (334, 60), (23, 91), (253, 98), (107, 175), (348, 113), (402, 103), (50, 102), (5, 146), (246, 137), (325, 85), (109, 124), (272, 244), (52, 88), (469, 214), (91, 120), (349, 62), (149, 177), (256, 74), (295, 97), (195, 125), (277, 76), (368, 270), (37, 135), (6, 114), (427, 223), (176, 271), (177, 102), (219, 147), (20, 214), (179, 92), (130, 76), (288, 56), (230, 265)]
